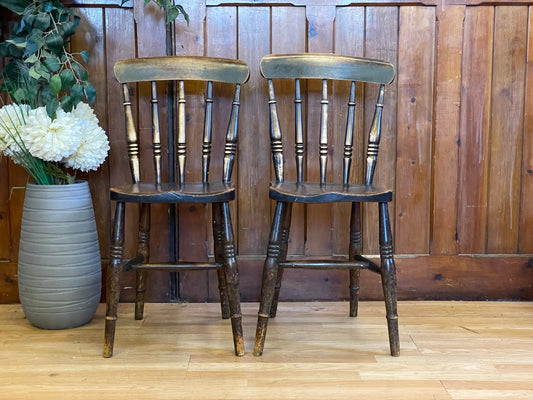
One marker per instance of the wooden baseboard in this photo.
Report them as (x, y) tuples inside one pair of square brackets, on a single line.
[(462, 277)]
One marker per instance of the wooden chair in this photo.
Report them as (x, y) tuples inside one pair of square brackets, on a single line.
[(217, 192), (326, 68)]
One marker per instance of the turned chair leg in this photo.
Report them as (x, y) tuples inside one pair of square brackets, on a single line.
[(388, 277), (218, 236), (270, 275), (355, 249), (231, 272), (114, 278), (143, 248), (285, 231)]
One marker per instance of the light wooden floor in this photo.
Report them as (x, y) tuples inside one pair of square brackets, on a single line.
[(450, 350)]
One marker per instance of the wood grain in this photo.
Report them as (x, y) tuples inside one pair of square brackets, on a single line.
[(5, 232), (450, 350), (349, 40), (440, 62), (526, 206), (221, 41), (193, 220), (506, 129), (415, 114), (474, 129), (446, 131), (253, 223), (285, 39), (320, 35), (382, 43)]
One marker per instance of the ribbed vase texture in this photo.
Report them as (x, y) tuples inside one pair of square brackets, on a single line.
[(59, 269)]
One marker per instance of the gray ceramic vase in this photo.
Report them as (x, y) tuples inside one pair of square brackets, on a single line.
[(59, 267)]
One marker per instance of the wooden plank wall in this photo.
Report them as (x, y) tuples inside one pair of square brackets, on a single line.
[(457, 138)]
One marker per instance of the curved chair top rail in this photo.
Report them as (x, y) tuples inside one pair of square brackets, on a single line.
[(326, 66), (182, 68)]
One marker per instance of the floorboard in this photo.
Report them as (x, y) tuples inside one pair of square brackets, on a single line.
[(449, 350)]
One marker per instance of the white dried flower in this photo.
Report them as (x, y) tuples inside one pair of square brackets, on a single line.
[(12, 117), (85, 112), (51, 140), (93, 148)]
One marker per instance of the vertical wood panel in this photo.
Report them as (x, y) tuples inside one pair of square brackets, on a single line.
[(474, 129), (349, 40), (415, 113), (287, 39), (381, 42), (5, 232), (17, 189), (221, 41), (151, 41), (254, 216), (320, 36), (120, 43), (488, 83), (193, 218), (90, 36), (526, 205), (446, 142), (506, 129)]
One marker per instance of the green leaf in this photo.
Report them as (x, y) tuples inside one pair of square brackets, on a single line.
[(42, 70), (38, 37), (67, 79), (8, 49), (58, 173), (80, 72), (68, 28), (55, 83), (19, 95), (42, 22), (66, 103), (90, 92), (34, 73), (31, 48), (55, 42), (49, 6), (17, 6), (19, 43), (31, 59), (48, 94), (52, 106), (77, 93), (85, 55), (52, 64), (28, 17)]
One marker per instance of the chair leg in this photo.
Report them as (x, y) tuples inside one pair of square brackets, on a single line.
[(143, 248), (218, 235), (388, 277), (231, 272), (355, 249), (270, 275), (285, 231), (114, 278)]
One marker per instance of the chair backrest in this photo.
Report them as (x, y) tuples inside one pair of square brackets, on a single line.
[(325, 67), (180, 69)]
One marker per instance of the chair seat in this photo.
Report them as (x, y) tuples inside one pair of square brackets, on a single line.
[(191, 192), (313, 192)]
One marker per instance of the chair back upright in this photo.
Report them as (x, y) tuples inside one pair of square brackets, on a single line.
[(325, 67), (181, 69)]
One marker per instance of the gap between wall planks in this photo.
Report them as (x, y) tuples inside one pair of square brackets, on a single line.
[(468, 132)]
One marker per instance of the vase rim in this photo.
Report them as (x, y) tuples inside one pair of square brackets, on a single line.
[(76, 182)]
